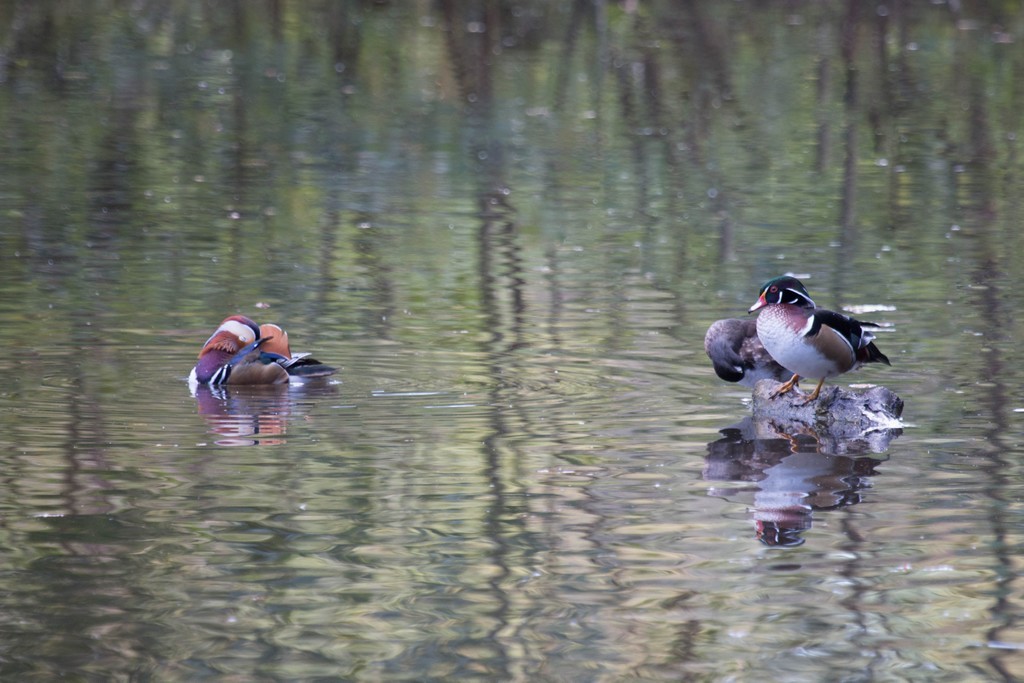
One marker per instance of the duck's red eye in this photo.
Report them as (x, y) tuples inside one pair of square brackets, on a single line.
[(773, 289)]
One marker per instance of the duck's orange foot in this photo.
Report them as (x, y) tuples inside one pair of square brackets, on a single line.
[(814, 394), (787, 387)]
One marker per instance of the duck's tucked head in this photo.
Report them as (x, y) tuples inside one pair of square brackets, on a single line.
[(783, 290), (233, 334)]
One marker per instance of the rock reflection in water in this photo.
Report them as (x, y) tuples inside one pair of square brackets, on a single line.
[(797, 471), (255, 415)]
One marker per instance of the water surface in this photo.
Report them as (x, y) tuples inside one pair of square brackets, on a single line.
[(508, 225)]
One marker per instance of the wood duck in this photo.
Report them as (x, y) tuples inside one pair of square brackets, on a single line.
[(807, 340), (738, 355), (238, 352)]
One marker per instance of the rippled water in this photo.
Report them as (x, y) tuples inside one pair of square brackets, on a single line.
[(525, 468), (512, 512)]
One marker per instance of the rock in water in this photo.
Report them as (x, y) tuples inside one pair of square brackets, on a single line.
[(841, 412)]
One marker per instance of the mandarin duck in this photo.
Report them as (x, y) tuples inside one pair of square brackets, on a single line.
[(738, 355), (807, 340), (239, 353)]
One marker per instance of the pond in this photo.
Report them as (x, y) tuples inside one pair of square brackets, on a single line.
[(508, 226)]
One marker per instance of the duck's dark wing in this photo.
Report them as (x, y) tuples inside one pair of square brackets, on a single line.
[(852, 330)]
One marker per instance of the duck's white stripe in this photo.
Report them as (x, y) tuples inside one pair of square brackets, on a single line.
[(238, 329), (222, 374)]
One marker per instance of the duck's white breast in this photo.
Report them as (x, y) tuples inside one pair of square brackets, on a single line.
[(782, 333)]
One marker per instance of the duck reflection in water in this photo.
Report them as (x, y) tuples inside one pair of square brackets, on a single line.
[(255, 415), (795, 473)]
